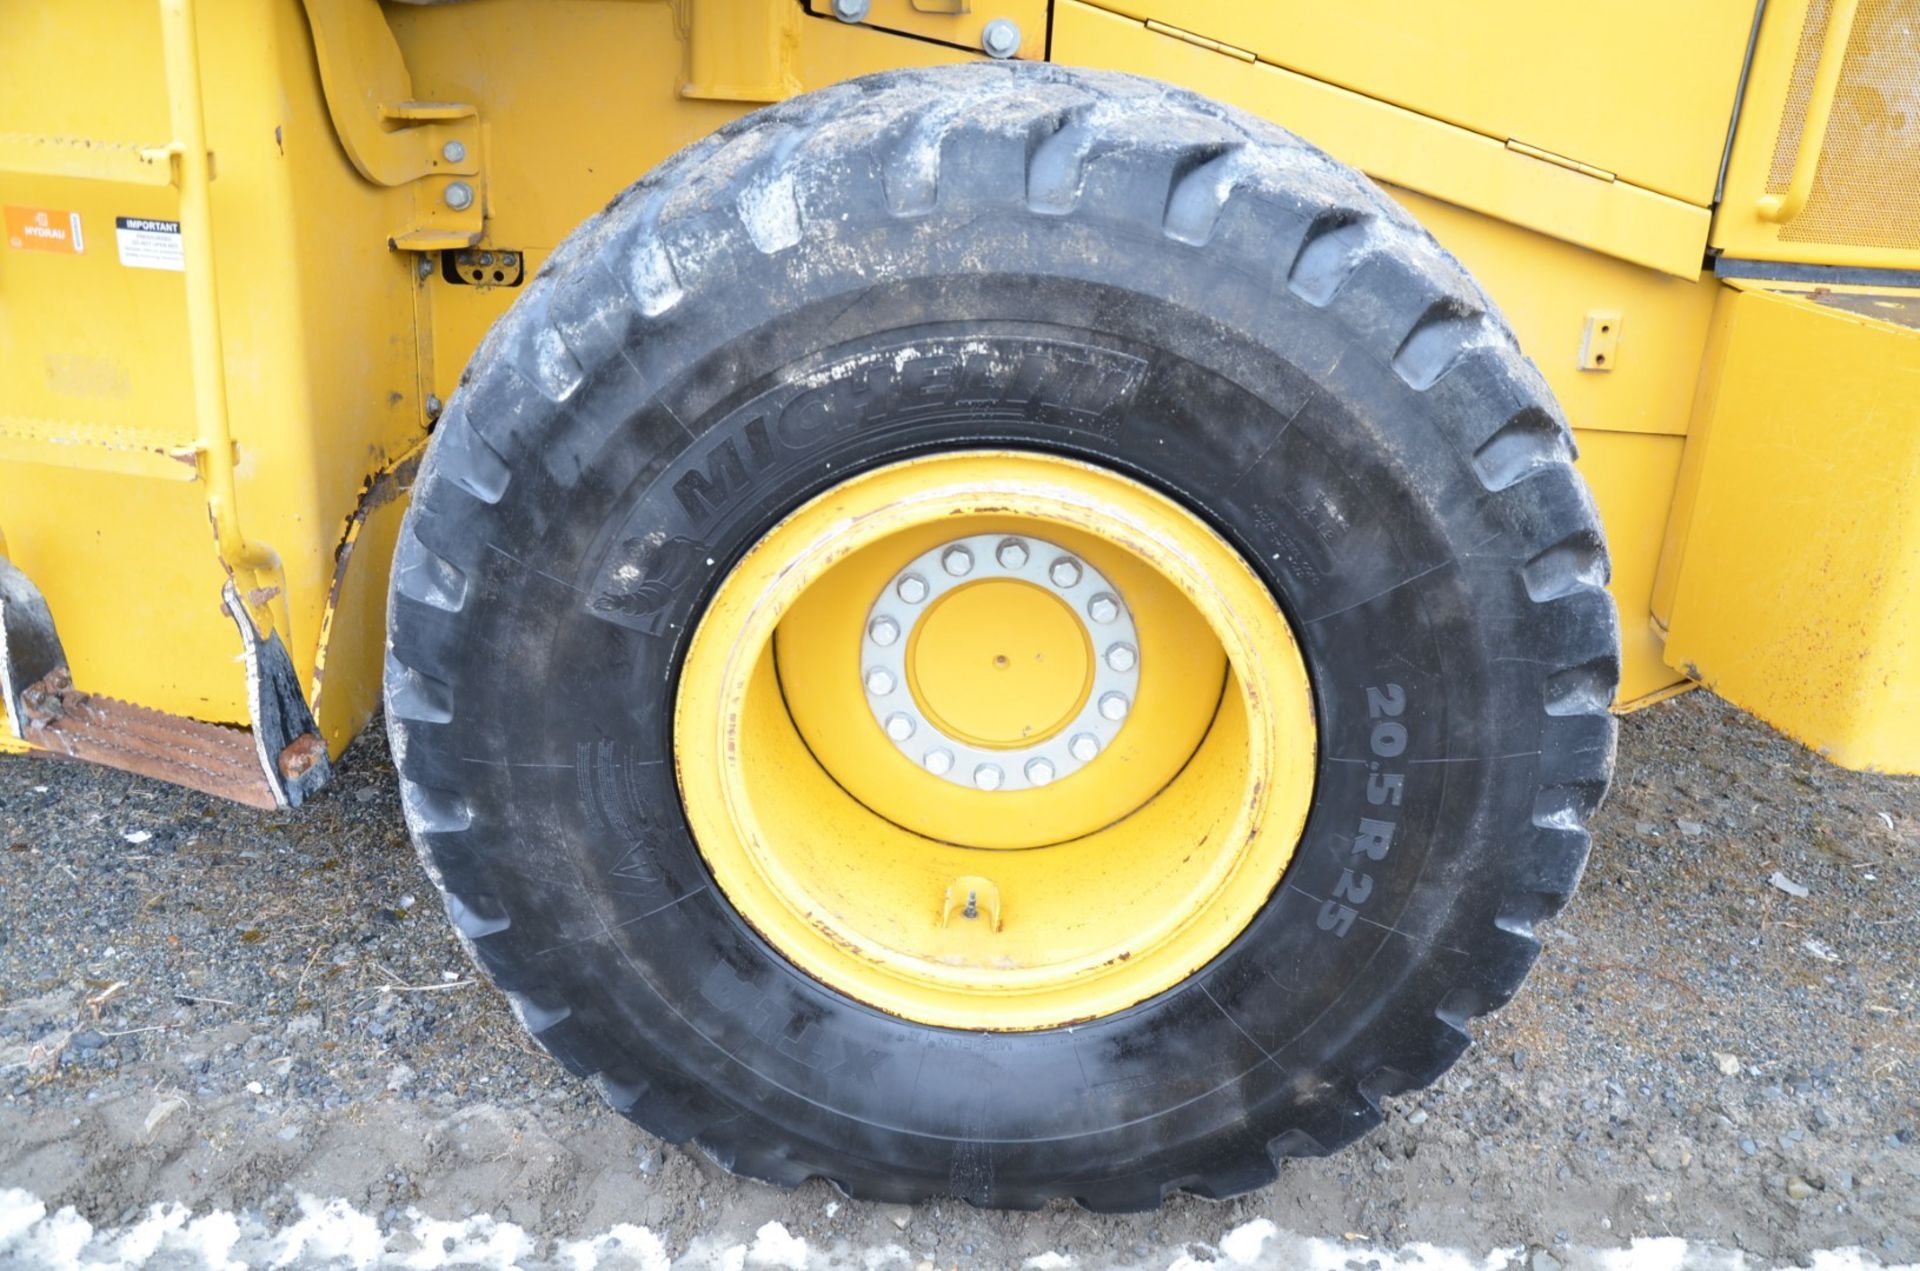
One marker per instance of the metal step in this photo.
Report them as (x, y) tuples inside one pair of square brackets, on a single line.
[(63, 720), (279, 762)]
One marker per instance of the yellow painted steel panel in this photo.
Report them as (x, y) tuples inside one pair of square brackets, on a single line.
[(1641, 88), (125, 161), (1791, 585), (1547, 289), (128, 569), (1401, 146), (317, 315), (956, 22), (332, 341), (73, 443), (1852, 196)]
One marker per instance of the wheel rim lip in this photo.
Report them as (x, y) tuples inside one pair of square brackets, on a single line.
[(1272, 814)]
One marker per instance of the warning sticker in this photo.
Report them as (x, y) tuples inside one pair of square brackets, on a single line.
[(148, 244), (42, 229)]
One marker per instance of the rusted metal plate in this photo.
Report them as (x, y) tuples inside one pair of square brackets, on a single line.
[(63, 720)]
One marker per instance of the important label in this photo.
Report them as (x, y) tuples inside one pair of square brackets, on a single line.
[(45, 229), (149, 244)]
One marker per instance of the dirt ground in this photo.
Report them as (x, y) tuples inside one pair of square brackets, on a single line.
[(262, 1021)]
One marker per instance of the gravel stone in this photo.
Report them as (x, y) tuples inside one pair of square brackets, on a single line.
[(263, 949)]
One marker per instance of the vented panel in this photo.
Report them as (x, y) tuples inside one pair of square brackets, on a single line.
[(1866, 191)]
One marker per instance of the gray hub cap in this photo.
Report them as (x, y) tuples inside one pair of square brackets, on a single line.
[(910, 594)]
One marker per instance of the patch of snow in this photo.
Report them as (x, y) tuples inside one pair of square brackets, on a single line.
[(621, 1245), (328, 1231), (775, 1246), (1244, 1242), (334, 1234)]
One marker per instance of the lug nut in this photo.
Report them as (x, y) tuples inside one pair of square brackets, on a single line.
[(1012, 554), (899, 726), (939, 762), (880, 681), (1122, 657), (453, 152), (957, 561), (912, 589), (1065, 572), (1039, 772), (1114, 706), (987, 776), (459, 196), (851, 10), (1103, 608), (884, 631), (1084, 747)]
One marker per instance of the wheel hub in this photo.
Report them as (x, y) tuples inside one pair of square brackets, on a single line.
[(1000, 662)]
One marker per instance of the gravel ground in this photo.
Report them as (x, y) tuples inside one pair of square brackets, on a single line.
[(234, 1010)]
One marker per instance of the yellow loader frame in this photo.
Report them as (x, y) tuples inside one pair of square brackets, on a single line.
[(249, 247)]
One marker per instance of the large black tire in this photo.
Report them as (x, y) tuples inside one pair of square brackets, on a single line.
[(1014, 256)]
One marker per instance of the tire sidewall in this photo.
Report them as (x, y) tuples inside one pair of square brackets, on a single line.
[(1279, 419), (713, 988)]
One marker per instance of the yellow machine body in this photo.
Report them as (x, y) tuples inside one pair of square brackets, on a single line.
[(250, 247)]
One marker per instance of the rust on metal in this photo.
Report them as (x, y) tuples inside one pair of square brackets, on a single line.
[(63, 720), (382, 488), (301, 754)]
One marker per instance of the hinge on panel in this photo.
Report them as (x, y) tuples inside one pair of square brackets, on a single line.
[(1600, 340), (391, 137), (1202, 41), (1559, 160)]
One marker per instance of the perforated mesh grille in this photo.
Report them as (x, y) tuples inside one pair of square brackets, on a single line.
[(1793, 118), (1866, 191)]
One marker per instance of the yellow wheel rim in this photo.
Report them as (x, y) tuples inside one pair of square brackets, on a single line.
[(1126, 719)]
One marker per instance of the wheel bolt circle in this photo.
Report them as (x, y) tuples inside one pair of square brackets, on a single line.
[(915, 728)]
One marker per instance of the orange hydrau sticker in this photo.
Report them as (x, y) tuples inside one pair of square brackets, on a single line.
[(42, 229)]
